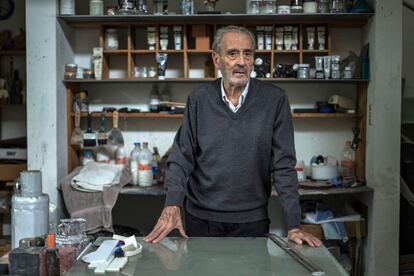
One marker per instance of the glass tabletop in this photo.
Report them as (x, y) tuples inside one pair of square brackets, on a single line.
[(219, 256)]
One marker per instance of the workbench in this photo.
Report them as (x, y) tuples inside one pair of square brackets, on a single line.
[(219, 256)]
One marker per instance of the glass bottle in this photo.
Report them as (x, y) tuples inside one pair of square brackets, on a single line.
[(310, 6), (347, 161), (125, 7), (155, 165), (268, 7), (187, 7), (253, 6), (296, 6), (87, 157), (134, 161), (102, 133), (111, 39), (121, 156), (145, 174)]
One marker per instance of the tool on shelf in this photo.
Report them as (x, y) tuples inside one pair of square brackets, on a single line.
[(115, 135)]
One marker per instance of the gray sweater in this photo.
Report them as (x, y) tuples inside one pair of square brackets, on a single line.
[(221, 162)]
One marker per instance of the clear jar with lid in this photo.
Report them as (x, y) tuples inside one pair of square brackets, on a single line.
[(111, 39), (296, 6), (96, 7), (160, 7), (310, 6), (253, 6), (268, 7), (303, 71), (348, 73), (338, 6), (323, 6)]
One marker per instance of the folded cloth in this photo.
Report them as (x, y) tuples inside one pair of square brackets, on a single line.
[(94, 176), (95, 207)]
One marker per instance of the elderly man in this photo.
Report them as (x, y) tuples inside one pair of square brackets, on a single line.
[(235, 134)]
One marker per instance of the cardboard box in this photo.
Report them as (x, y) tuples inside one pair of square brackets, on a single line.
[(201, 36), (9, 172)]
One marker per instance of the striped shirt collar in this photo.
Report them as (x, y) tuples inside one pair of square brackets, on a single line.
[(242, 97)]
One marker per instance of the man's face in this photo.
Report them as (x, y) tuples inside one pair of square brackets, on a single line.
[(235, 60)]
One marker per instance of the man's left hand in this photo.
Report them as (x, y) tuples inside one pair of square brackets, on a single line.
[(298, 236)]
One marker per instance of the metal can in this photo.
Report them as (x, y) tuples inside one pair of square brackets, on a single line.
[(303, 71), (67, 7)]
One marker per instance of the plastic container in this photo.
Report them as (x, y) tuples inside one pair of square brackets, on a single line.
[(134, 162), (111, 39), (87, 157), (300, 170), (347, 161), (121, 156), (145, 174)]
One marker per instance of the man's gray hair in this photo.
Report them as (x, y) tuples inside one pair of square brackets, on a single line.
[(218, 38)]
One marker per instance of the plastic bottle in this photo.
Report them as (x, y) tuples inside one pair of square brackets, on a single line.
[(300, 170), (87, 157), (121, 156), (347, 161), (102, 155), (134, 161), (145, 175)]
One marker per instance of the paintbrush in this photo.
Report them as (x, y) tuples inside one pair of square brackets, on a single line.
[(115, 136), (77, 135)]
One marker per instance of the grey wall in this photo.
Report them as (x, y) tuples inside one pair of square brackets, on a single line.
[(407, 65)]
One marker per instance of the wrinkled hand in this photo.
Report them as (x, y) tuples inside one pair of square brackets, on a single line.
[(169, 220), (298, 236)]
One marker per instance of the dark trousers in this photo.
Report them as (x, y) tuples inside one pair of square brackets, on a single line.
[(197, 227)]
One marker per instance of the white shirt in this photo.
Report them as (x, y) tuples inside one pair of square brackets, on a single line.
[(241, 98)]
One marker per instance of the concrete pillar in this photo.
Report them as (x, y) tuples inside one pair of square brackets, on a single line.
[(383, 138), (46, 100)]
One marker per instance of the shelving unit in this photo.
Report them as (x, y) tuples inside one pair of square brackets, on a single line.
[(133, 52)]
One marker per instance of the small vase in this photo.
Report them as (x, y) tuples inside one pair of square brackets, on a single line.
[(210, 7)]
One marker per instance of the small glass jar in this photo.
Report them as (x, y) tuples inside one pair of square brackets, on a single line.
[(253, 6), (323, 6), (303, 71), (160, 7), (338, 6), (296, 6), (283, 9), (151, 38), (71, 68), (96, 7), (187, 7), (335, 73), (125, 7), (88, 74), (111, 39), (348, 73), (268, 7), (310, 6)]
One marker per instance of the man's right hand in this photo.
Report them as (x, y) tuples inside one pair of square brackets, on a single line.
[(169, 220)]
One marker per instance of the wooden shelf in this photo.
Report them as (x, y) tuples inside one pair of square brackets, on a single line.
[(334, 191), (287, 51), (191, 80), (263, 51), (115, 52), (158, 190), (11, 105), (199, 52), (315, 51), (133, 115), (167, 116), (324, 115), (171, 51), (335, 20), (12, 53), (143, 51)]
